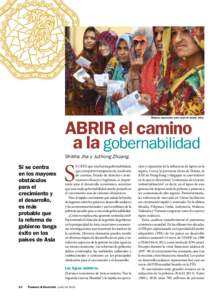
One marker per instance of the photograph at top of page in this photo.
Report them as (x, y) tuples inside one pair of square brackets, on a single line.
[(152, 70)]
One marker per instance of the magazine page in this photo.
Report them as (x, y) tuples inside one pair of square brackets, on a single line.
[(111, 150)]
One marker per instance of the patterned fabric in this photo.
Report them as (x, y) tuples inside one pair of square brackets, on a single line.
[(109, 37), (197, 33), (185, 95), (110, 68)]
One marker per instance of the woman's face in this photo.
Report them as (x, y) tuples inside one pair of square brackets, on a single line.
[(104, 49), (158, 37), (89, 40), (183, 43), (140, 43), (123, 52)]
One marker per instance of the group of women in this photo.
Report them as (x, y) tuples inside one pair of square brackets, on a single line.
[(165, 64)]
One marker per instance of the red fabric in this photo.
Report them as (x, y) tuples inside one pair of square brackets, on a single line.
[(110, 38), (150, 76), (100, 106)]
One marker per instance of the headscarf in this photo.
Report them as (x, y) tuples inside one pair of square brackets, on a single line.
[(181, 71), (166, 40), (111, 66), (90, 54), (119, 73), (171, 66), (110, 38), (197, 34), (84, 100), (145, 33), (127, 37)]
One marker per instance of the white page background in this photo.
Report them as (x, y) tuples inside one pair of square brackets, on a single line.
[(32, 131)]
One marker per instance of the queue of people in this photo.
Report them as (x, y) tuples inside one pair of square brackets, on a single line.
[(164, 64)]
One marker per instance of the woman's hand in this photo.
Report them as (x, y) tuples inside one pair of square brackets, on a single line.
[(89, 83), (137, 63), (117, 96), (101, 90), (146, 100), (89, 69)]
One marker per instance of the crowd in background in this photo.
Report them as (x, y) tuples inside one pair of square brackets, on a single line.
[(165, 64)]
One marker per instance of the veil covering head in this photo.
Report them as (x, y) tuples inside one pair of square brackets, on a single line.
[(127, 37), (166, 39), (93, 29), (197, 33), (92, 53), (146, 34), (110, 38)]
